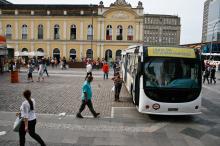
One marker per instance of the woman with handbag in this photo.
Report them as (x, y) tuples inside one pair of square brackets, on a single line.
[(29, 120)]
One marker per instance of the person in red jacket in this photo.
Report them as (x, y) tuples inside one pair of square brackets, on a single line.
[(105, 69)]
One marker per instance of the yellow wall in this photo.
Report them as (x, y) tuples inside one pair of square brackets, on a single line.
[(100, 45)]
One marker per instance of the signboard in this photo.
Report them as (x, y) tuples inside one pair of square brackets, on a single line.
[(3, 49), (171, 52)]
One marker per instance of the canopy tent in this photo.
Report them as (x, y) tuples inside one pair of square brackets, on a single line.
[(38, 53), (31, 54)]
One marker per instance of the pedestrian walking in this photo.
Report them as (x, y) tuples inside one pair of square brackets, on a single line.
[(88, 69), (105, 69), (114, 67), (45, 69), (118, 84), (40, 72), (212, 75), (30, 71), (52, 62), (87, 98), (27, 112), (206, 74)]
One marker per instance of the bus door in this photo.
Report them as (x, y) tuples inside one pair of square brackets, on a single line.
[(125, 67)]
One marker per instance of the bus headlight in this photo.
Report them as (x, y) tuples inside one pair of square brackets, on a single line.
[(156, 106)]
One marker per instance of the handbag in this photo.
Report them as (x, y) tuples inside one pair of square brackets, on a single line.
[(113, 88), (17, 124)]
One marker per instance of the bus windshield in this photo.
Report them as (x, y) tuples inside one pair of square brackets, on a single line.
[(171, 73)]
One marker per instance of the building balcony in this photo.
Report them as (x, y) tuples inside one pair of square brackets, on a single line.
[(119, 37), (108, 37), (130, 37)]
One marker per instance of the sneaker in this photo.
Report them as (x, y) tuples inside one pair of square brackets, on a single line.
[(79, 116), (96, 115)]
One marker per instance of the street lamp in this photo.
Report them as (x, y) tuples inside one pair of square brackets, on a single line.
[(213, 38), (91, 5)]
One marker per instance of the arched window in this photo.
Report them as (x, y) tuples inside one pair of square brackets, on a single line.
[(90, 32), (119, 33), (108, 55), (118, 55), (40, 50), (8, 31), (73, 54), (24, 50), (73, 32), (56, 32), (56, 54), (24, 31), (89, 53), (109, 32), (40, 31), (130, 32)]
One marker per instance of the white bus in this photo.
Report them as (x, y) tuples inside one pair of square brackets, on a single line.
[(163, 80)]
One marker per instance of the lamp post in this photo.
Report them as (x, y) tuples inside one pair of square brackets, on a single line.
[(213, 38), (92, 28)]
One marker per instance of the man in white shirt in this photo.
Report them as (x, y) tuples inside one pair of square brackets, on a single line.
[(88, 69)]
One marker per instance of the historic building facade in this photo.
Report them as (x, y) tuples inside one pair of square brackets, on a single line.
[(72, 31), (161, 30)]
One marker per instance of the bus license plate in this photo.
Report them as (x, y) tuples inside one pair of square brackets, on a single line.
[(172, 109)]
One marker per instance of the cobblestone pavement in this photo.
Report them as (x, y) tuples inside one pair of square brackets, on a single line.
[(60, 93)]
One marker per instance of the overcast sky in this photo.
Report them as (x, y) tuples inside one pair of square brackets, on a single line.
[(190, 12)]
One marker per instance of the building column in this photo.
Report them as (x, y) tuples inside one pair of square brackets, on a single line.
[(81, 30), (32, 30), (141, 31), (48, 30), (64, 50), (102, 31), (16, 29), (32, 46), (137, 31), (48, 50), (98, 50), (1, 29), (64, 30), (102, 51), (16, 47), (81, 51)]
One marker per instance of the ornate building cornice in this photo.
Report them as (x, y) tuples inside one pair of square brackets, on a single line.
[(121, 3)]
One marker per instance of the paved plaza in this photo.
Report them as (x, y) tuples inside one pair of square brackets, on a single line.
[(119, 124)]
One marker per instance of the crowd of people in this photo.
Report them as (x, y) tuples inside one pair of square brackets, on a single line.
[(209, 73)]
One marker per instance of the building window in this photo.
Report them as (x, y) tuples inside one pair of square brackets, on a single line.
[(56, 54), (89, 53), (24, 50), (130, 32), (90, 32), (118, 55), (56, 32), (8, 31), (108, 55), (73, 32), (109, 32), (40, 31), (40, 50), (24, 32), (119, 33), (73, 54)]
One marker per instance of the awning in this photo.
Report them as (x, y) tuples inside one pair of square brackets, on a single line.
[(38, 53), (25, 53)]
